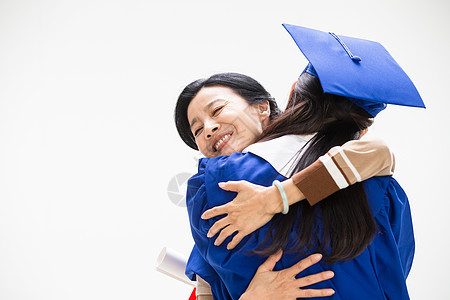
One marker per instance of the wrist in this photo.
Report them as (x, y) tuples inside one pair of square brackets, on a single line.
[(294, 195), (274, 200)]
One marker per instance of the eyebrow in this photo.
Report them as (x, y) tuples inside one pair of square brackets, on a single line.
[(207, 107)]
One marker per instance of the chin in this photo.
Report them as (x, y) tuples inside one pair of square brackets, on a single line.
[(230, 150)]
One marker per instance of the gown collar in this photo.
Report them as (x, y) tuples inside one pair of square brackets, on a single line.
[(282, 153)]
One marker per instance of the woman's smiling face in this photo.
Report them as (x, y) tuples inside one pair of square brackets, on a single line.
[(223, 122)]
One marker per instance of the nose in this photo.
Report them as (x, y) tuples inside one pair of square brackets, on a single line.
[(210, 129)]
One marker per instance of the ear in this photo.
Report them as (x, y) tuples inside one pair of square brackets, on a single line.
[(264, 110), (292, 88), (362, 132)]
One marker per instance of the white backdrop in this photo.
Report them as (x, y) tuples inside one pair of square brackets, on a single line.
[(88, 144)]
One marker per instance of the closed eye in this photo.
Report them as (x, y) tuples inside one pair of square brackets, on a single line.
[(217, 110), (197, 131)]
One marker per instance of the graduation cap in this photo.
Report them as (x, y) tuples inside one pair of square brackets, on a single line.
[(361, 70)]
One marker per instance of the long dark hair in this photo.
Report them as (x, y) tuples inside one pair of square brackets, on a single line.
[(248, 88), (340, 226)]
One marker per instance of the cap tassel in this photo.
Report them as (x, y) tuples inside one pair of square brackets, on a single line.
[(355, 58)]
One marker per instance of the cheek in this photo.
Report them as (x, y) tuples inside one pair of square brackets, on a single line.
[(203, 147), (252, 127), (253, 119), (228, 117), (200, 144), (248, 128), (242, 140)]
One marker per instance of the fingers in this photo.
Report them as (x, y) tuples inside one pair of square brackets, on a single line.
[(310, 293), (270, 262), (304, 264), (217, 226), (236, 240), (232, 186), (226, 232), (221, 225), (215, 211), (315, 278)]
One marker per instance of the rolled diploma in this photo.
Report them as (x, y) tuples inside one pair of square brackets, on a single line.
[(173, 264)]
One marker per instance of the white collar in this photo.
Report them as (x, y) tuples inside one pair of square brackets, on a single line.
[(281, 152)]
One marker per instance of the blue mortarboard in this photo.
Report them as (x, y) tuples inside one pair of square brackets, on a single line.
[(361, 70)]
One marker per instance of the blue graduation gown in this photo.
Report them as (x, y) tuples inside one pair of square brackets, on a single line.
[(379, 272)]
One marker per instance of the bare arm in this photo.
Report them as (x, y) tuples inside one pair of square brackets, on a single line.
[(203, 291)]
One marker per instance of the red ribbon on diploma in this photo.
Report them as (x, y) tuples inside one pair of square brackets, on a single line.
[(193, 296)]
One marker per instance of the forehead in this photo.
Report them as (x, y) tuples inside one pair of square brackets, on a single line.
[(208, 96)]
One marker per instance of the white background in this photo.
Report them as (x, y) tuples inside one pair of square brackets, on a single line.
[(88, 143)]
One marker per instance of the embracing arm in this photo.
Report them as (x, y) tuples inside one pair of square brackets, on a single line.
[(255, 205), (343, 166), (340, 167)]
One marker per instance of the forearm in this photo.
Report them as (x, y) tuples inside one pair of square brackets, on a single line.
[(203, 291), (343, 166), (205, 297)]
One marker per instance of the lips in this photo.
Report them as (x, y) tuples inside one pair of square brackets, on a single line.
[(221, 140)]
